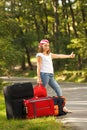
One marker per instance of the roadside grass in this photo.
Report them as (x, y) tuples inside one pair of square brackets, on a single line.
[(45, 123), (61, 76), (71, 76)]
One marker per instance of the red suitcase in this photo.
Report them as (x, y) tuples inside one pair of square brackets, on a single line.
[(38, 107)]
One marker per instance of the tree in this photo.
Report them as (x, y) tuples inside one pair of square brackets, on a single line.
[(24, 23)]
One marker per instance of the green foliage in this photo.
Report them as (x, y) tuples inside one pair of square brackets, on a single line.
[(79, 45), (8, 55), (23, 24)]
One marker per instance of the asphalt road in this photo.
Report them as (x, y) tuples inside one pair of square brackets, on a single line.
[(76, 95)]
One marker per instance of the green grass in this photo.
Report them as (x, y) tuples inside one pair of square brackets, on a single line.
[(71, 76), (45, 123), (35, 124)]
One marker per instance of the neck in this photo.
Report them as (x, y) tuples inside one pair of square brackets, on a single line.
[(45, 53)]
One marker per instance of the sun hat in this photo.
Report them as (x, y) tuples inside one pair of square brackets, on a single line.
[(43, 41)]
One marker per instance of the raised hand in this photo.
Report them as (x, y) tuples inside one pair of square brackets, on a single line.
[(72, 55)]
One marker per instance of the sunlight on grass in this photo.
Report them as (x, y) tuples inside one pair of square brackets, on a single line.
[(71, 76), (33, 59)]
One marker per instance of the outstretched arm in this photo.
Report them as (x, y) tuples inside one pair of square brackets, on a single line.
[(62, 56)]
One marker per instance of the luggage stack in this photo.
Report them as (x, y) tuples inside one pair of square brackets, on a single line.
[(25, 102)]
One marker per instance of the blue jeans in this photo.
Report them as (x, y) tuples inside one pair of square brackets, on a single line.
[(48, 78)]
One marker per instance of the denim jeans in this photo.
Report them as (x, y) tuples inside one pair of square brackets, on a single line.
[(48, 78)]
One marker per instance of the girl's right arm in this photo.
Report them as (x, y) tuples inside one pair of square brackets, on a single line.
[(39, 60)]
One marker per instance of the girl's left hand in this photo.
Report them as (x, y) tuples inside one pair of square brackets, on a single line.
[(72, 55)]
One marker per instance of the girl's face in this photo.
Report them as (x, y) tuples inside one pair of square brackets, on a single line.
[(46, 47)]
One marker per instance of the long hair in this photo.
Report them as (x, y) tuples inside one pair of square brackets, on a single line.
[(40, 49)]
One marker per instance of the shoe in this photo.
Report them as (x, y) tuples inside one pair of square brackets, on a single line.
[(66, 110)]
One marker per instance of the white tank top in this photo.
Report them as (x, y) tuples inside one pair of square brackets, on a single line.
[(47, 65)]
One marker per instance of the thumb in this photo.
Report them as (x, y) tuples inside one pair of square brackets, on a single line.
[(72, 53)]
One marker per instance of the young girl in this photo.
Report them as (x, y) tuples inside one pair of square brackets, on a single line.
[(45, 71)]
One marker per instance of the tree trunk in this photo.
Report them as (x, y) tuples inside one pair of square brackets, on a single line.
[(79, 62), (68, 25), (64, 14), (46, 18), (45, 24), (55, 7), (23, 66), (28, 58), (56, 26), (35, 20), (84, 19), (73, 19), (37, 27)]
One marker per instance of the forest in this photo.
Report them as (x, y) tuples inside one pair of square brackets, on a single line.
[(23, 23)]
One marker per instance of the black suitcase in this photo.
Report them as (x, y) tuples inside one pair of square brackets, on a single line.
[(14, 96)]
